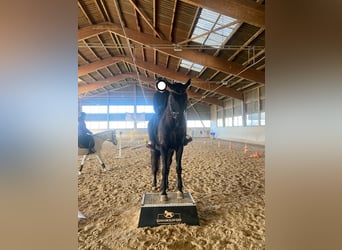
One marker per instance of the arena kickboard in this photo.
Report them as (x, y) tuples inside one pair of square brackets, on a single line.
[(154, 212)]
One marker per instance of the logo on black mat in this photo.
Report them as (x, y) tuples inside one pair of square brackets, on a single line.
[(169, 217)]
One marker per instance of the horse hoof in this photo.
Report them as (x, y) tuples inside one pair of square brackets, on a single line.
[(104, 170), (163, 197), (79, 172), (180, 195), (154, 188)]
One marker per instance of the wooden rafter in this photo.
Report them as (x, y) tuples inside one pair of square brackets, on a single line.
[(82, 8), (106, 14), (143, 15), (189, 33), (174, 9), (208, 32), (246, 43), (91, 67), (154, 10), (100, 11), (241, 48), (196, 82), (143, 79), (137, 20), (194, 56), (83, 57), (254, 57), (244, 10), (172, 20), (100, 84)]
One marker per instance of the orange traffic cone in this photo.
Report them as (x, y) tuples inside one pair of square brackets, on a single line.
[(219, 144), (230, 146), (256, 155), (246, 148)]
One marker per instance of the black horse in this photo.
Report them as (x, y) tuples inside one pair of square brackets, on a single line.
[(169, 133)]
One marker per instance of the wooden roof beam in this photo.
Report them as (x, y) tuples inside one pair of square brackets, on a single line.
[(172, 20), (244, 10), (91, 67), (192, 94), (196, 82), (148, 80), (143, 15), (193, 56), (208, 32), (179, 77), (100, 84)]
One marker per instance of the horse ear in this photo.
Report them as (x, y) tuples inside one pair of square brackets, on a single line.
[(188, 83)]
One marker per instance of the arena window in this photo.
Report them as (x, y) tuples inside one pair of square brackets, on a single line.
[(95, 109), (119, 109)]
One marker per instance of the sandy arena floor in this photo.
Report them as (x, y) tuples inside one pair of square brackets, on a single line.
[(227, 185)]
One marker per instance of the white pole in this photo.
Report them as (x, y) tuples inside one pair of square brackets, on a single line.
[(120, 144)]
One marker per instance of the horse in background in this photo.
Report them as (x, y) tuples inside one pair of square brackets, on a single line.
[(170, 133), (99, 138)]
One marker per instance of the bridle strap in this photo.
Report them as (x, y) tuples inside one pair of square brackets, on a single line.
[(174, 114)]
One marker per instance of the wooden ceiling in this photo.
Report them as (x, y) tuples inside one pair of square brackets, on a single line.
[(131, 42)]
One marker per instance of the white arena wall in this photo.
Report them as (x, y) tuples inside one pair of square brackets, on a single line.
[(253, 135), (245, 134)]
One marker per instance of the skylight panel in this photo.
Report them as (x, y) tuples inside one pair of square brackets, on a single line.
[(211, 43), (206, 25), (198, 31), (204, 33), (209, 15), (219, 38), (197, 67), (200, 40), (224, 32), (190, 65), (225, 19), (186, 64), (209, 21)]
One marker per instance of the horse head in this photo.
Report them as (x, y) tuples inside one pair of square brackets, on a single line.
[(178, 98), (113, 137), (107, 135), (177, 87)]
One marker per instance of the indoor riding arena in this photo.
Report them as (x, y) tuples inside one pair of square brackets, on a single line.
[(216, 49), (190, 134), (227, 184)]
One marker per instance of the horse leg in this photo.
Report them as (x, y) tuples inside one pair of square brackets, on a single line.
[(155, 160), (179, 154), (165, 171), (82, 163), (101, 162), (168, 169)]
